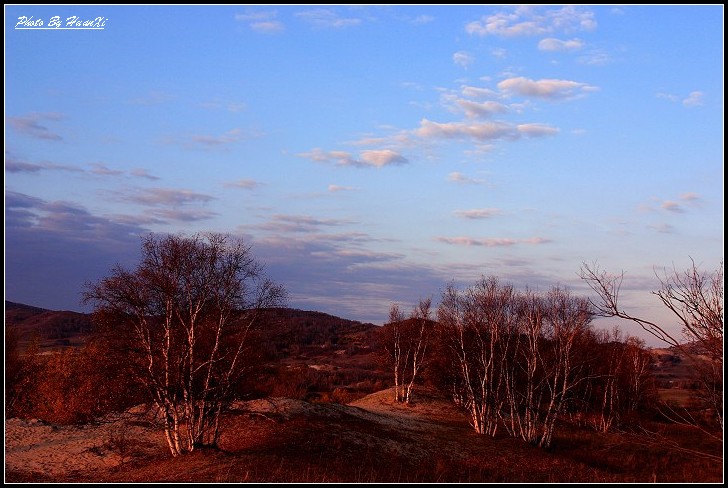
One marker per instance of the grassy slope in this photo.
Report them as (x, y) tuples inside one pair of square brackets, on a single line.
[(374, 440)]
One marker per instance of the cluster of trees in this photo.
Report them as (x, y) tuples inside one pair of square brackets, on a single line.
[(521, 360), (180, 325)]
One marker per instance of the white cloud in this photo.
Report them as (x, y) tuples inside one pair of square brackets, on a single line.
[(595, 57), (30, 125), (485, 109), (531, 21), (326, 18), (694, 99), (143, 173), (662, 228), (553, 44), (549, 89), (478, 213), (165, 196), (254, 16), (537, 130), (477, 92), (300, 223), (152, 98), (243, 184), (671, 206), (463, 59), (492, 242), (457, 177), (263, 21), (267, 26), (668, 96), (422, 19), (499, 52), (382, 157), (481, 131), (234, 135), (372, 158), (339, 188), (224, 105), (102, 170)]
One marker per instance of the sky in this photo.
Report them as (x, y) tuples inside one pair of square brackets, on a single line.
[(370, 155)]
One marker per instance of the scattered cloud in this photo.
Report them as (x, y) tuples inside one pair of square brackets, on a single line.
[(690, 197), (326, 18), (371, 158), (552, 44), (457, 177), (668, 96), (13, 165), (339, 188), (164, 196), (694, 99), (537, 130), (243, 184), (478, 93), (300, 223), (262, 21), (37, 232), (152, 98), (491, 242), (479, 213), (537, 240), (230, 106), (481, 131), (101, 169), (463, 59), (33, 125), (499, 52), (208, 142), (595, 57), (671, 206), (143, 173), (662, 228), (182, 215), (480, 109), (532, 21), (422, 19), (548, 89), (382, 157), (233, 135), (267, 26)]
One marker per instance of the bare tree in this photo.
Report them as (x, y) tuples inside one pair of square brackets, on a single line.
[(566, 319), (182, 317), (405, 343), (478, 324), (696, 299)]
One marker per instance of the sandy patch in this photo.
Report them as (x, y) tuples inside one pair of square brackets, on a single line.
[(34, 446)]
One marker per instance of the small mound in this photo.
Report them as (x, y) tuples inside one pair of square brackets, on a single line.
[(425, 402)]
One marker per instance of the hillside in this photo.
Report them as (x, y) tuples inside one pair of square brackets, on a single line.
[(369, 440), (53, 329), (314, 353)]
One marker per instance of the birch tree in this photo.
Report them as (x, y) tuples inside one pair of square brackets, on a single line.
[(182, 318), (405, 343), (478, 323), (695, 298)]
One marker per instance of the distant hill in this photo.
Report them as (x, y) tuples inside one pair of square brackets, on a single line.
[(53, 329), (316, 353)]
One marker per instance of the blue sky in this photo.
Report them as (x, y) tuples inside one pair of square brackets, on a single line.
[(369, 154)]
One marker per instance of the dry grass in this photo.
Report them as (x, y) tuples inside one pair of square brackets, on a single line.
[(376, 440)]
